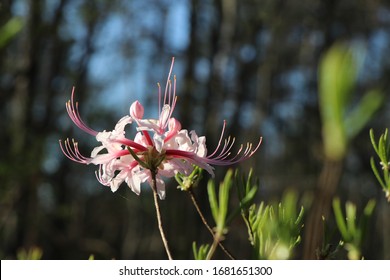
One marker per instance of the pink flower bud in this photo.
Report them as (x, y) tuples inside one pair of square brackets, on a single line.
[(136, 110)]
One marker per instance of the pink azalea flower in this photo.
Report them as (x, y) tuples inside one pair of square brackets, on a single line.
[(159, 144)]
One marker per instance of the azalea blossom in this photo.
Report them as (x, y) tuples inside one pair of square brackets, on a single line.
[(160, 146)]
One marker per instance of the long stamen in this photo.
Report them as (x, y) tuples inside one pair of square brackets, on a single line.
[(72, 153), (174, 97), (168, 79), (241, 155), (220, 139), (159, 98), (73, 111), (226, 148)]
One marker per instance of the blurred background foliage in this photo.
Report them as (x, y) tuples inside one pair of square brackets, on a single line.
[(253, 62)]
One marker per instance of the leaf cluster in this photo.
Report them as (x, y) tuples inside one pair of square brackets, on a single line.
[(382, 149)]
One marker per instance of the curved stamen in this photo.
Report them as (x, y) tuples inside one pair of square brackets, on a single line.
[(220, 139), (240, 155), (73, 111), (221, 159), (72, 151), (225, 152), (168, 81)]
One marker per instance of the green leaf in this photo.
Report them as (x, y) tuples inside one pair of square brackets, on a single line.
[(9, 30), (213, 199), (350, 210), (363, 112), (201, 253), (219, 207), (385, 136), (224, 190), (299, 219), (376, 173), (337, 75), (340, 220), (382, 149), (367, 213), (369, 209), (373, 142)]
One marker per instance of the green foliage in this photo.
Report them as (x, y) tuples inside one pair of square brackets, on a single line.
[(33, 253), (328, 251), (337, 76), (246, 190), (9, 30), (352, 232), (201, 253), (219, 206), (187, 182), (275, 228), (382, 149), (219, 209)]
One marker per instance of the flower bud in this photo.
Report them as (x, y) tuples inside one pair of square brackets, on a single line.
[(136, 110)]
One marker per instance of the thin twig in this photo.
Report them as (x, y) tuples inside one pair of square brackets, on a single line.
[(195, 202), (159, 221), (216, 241)]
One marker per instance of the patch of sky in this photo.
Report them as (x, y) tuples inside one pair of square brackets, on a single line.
[(229, 107), (229, 72), (73, 27), (124, 80), (202, 70), (296, 82), (247, 53), (20, 8), (247, 115), (49, 9), (291, 113), (75, 30), (376, 55), (178, 26), (263, 39), (270, 132)]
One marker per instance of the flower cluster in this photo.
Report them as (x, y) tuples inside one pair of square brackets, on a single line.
[(160, 146)]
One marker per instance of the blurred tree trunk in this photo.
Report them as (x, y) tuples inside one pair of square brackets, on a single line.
[(25, 178), (320, 211)]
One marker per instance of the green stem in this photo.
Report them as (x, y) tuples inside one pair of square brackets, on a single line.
[(158, 213), (217, 239), (195, 202)]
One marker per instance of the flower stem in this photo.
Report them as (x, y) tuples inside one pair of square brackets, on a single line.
[(195, 202), (158, 213), (216, 241)]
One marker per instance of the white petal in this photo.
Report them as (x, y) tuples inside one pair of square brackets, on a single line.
[(96, 150), (120, 126), (134, 182)]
